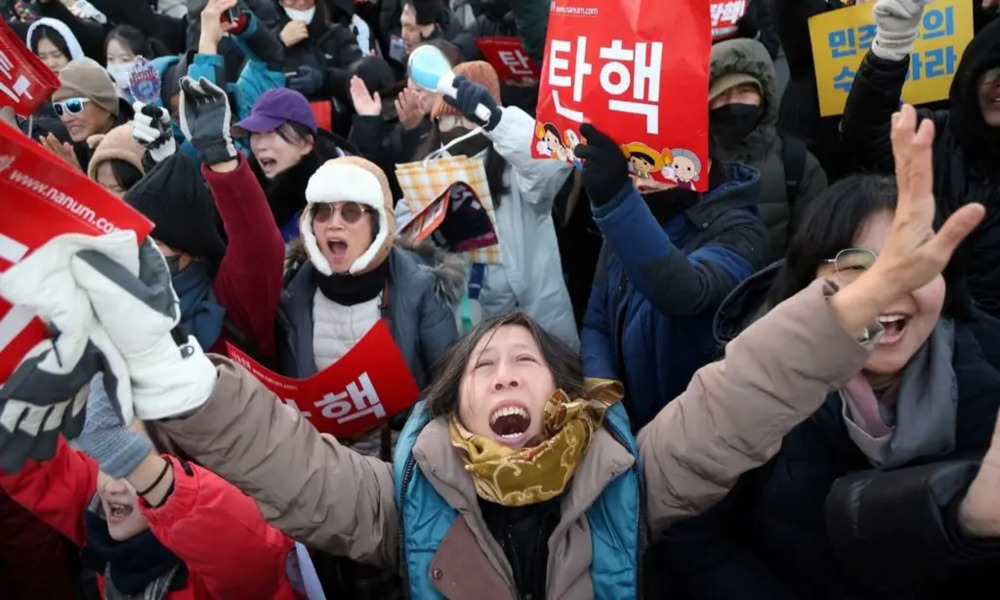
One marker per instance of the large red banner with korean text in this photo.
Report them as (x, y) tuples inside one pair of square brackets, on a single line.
[(637, 70), (366, 387), (41, 197), (25, 81), (509, 59)]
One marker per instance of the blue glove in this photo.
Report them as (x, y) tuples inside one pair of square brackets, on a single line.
[(306, 81), (115, 447), (469, 96)]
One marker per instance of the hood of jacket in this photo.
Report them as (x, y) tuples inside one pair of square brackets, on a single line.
[(749, 57), (744, 305), (72, 44), (979, 141)]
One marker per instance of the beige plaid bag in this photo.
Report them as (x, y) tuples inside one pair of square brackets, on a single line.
[(425, 181)]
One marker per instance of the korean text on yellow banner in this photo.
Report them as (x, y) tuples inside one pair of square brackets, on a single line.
[(842, 37)]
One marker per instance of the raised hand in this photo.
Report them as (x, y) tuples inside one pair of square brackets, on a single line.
[(605, 170), (206, 119), (409, 109), (61, 149), (152, 129), (979, 512), (365, 104), (212, 26)]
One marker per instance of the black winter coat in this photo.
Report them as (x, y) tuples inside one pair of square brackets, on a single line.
[(330, 49), (966, 150)]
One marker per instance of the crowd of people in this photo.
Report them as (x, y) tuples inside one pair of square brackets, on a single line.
[(786, 386)]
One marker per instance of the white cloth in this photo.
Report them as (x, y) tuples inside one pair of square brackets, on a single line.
[(362, 32), (75, 50), (531, 276), (337, 328)]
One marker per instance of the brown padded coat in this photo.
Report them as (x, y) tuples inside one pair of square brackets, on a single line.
[(731, 419)]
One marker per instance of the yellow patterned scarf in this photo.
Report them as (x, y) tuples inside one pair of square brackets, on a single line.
[(531, 475)]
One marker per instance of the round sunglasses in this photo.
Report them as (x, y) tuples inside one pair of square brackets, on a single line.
[(350, 212), (72, 106)]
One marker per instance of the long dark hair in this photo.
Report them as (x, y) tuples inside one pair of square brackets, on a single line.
[(44, 32), (441, 396), (495, 165), (831, 223), (135, 41)]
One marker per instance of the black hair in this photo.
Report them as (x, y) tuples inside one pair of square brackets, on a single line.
[(441, 396), (133, 40), (44, 32), (296, 134), (125, 173), (831, 223), (643, 156), (550, 128), (428, 12)]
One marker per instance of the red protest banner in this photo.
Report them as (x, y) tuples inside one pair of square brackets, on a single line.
[(607, 64), (42, 197), (512, 63), (725, 15), (366, 387), (25, 81)]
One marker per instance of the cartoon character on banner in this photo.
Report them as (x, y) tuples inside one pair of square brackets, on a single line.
[(686, 167), (561, 146)]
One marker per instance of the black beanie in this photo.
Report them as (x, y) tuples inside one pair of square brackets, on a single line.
[(176, 199)]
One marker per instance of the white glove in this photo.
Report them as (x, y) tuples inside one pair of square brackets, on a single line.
[(151, 127), (139, 310), (37, 402), (898, 26)]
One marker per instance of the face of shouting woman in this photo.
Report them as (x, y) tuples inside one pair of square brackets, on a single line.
[(344, 231)]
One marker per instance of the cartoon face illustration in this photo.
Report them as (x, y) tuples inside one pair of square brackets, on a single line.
[(686, 166), (554, 142), (642, 164)]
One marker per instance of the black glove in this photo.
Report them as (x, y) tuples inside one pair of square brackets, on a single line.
[(206, 119), (306, 80), (470, 95), (605, 168)]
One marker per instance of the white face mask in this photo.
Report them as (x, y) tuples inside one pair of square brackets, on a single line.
[(300, 15), (119, 74)]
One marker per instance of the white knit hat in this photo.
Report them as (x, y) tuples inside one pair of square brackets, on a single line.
[(350, 179)]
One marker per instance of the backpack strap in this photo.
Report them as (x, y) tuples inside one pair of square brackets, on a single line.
[(793, 157)]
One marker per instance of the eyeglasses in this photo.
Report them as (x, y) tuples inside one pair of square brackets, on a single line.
[(73, 106), (852, 262), (991, 76), (350, 212)]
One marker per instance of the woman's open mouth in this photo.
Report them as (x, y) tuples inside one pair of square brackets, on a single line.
[(510, 422), (267, 164), (895, 327), (338, 248), (117, 513)]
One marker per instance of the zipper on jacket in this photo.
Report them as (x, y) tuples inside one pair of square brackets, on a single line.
[(411, 464), (640, 546)]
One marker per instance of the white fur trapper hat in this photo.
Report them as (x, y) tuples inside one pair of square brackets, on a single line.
[(350, 179)]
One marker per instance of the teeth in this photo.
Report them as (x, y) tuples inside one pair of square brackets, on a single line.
[(890, 318), (508, 410)]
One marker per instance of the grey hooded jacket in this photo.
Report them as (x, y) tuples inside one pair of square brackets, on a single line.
[(763, 148)]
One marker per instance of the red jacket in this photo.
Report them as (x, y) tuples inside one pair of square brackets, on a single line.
[(249, 280), (216, 530)]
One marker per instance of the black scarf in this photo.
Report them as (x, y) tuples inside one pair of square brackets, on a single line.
[(286, 193), (134, 564), (667, 204), (348, 290)]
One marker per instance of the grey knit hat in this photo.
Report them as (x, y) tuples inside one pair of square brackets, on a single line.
[(86, 78)]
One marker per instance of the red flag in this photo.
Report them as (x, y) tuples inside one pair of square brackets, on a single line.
[(509, 59), (25, 81), (42, 197), (638, 72), (366, 387)]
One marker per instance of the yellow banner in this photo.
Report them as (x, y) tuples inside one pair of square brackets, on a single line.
[(842, 37)]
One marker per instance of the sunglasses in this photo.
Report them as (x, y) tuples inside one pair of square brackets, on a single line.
[(852, 262), (73, 106), (350, 212)]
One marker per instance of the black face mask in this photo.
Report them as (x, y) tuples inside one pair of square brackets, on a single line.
[(174, 264), (667, 204), (733, 122), (470, 147)]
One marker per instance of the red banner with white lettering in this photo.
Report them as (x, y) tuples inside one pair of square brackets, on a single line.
[(366, 387), (25, 81), (725, 16), (637, 72), (42, 197), (507, 56)]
